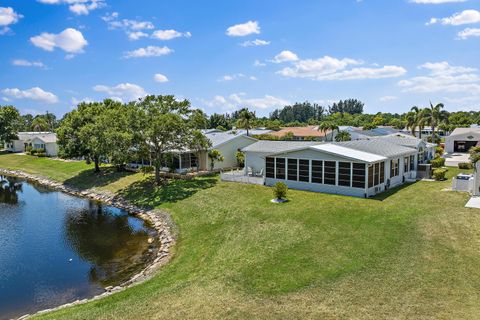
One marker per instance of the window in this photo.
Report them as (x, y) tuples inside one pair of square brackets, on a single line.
[(371, 169), (412, 162), (405, 164), (292, 169), (358, 175), (330, 173), (377, 174), (270, 168), (317, 171), (304, 170), (382, 172), (394, 167), (193, 160), (280, 163), (344, 173)]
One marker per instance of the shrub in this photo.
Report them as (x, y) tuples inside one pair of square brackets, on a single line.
[(439, 174), (437, 162), (28, 150), (439, 150), (33, 152), (280, 190), (240, 159), (465, 165), (147, 170), (41, 154)]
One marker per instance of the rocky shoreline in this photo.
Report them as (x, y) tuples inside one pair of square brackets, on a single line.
[(160, 220)]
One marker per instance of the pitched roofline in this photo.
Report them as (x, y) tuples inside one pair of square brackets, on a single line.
[(236, 137)]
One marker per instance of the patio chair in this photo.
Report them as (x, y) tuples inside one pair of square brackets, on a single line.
[(260, 174), (249, 171)]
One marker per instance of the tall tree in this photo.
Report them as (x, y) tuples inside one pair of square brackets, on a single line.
[(165, 127), (39, 124), (435, 116), (198, 143), (419, 120), (245, 119), (198, 119), (10, 122), (351, 106), (343, 136), (214, 155)]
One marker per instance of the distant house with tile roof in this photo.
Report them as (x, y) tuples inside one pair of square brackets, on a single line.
[(35, 140)]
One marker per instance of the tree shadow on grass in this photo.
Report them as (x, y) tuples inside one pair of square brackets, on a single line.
[(88, 179), (384, 195), (147, 194)]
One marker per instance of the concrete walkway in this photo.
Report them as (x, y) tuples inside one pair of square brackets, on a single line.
[(453, 159), (474, 202)]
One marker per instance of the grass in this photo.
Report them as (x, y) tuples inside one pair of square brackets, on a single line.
[(410, 253)]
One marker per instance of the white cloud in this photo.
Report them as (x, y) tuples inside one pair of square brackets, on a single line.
[(285, 56), (170, 34), (75, 102), (468, 33), (243, 29), (8, 17), (255, 43), (123, 91), (150, 51), (442, 77), (258, 63), (329, 68), (237, 100), (158, 77), (387, 98), (69, 40), (435, 1), (230, 77), (135, 35), (26, 63), (78, 7), (35, 93), (459, 18)]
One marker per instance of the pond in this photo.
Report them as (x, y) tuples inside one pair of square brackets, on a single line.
[(56, 248)]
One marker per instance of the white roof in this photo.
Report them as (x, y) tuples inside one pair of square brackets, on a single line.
[(460, 131), (348, 152)]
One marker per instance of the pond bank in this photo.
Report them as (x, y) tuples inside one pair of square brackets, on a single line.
[(160, 221)]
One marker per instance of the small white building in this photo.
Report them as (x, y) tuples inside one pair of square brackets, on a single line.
[(462, 139), (359, 168), (36, 140)]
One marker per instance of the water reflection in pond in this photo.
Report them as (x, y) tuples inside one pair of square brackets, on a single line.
[(55, 248)]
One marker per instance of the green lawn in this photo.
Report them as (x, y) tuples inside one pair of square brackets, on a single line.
[(411, 253)]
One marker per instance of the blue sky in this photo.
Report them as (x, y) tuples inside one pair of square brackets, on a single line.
[(223, 55)]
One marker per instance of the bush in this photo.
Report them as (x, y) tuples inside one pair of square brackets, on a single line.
[(41, 154), (437, 162), (439, 150), (147, 170), (240, 159), (465, 165), (280, 190), (439, 174), (28, 150)]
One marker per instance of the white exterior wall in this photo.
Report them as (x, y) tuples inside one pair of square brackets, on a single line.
[(450, 140), (51, 149), (229, 150), (255, 158), (18, 146)]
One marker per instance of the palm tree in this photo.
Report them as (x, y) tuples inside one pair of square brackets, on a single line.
[(435, 116), (343, 136), (418, 120), (333, 127), (324, 127), (245, 118), (411, 122), (214, 155)]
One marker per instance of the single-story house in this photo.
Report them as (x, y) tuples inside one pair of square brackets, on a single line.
[(462, 139), (301, 133), (360, 168), (226, 142), (426, 132), (426, 150), (36, 140)]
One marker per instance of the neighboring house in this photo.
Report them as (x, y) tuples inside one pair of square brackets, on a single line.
[(426, 150), (426, 132), (462, 139), (360, 168), (357, 133), (36, 140), (227, 142), (307, 133)]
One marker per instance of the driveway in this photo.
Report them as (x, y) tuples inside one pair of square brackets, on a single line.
[(453, 159)]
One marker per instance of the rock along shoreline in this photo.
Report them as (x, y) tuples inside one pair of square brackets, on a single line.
[(160, 220)]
